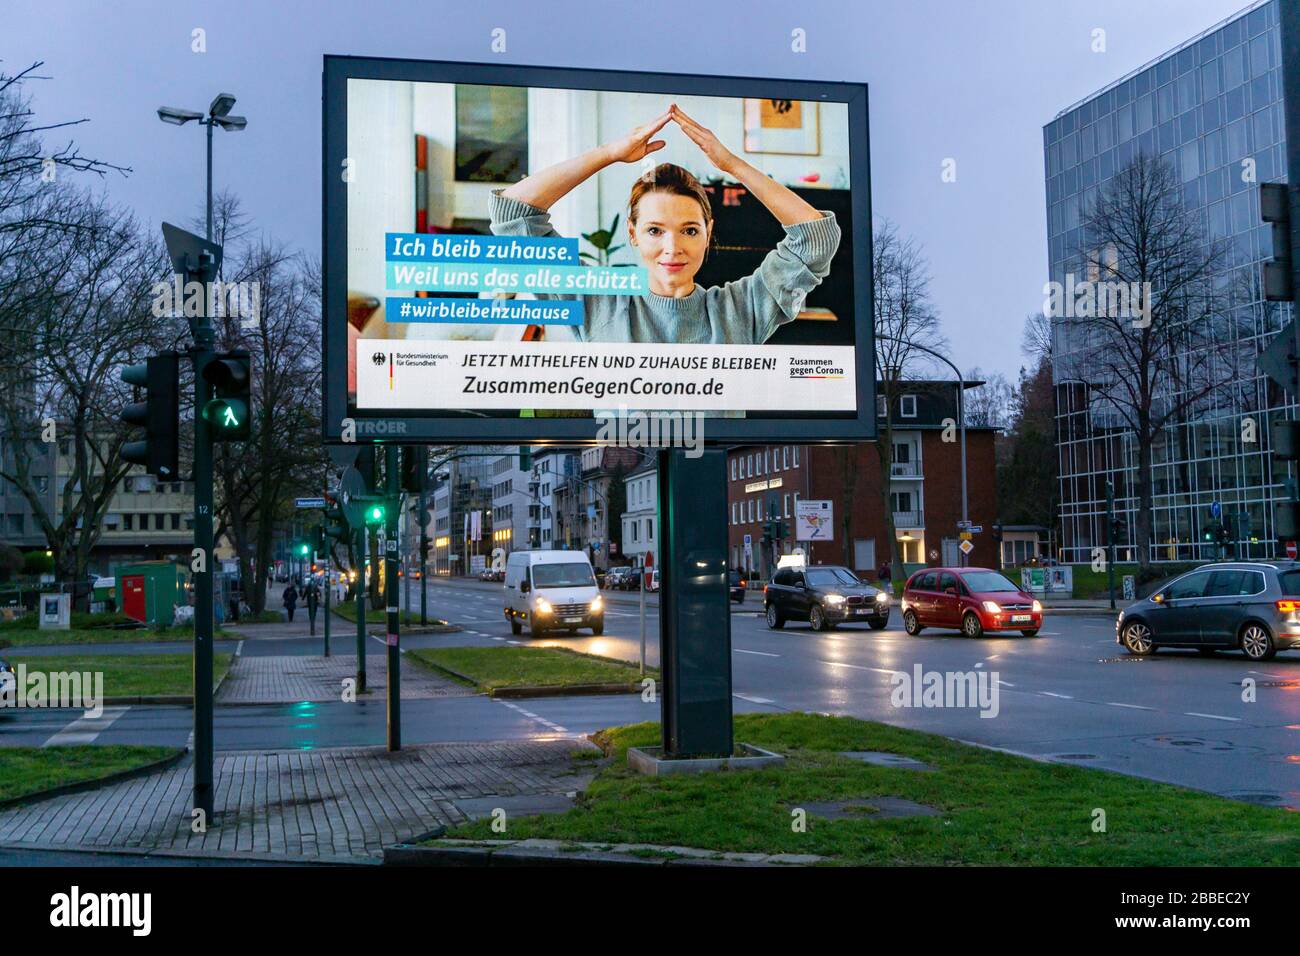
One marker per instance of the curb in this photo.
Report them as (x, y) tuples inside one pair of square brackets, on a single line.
[(525, 853), (186, 854), (559, 690), (563, 690), (1080, 611), (409, 629), (166, 763)]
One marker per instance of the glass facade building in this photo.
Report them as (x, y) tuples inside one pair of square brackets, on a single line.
[(1212, 109)]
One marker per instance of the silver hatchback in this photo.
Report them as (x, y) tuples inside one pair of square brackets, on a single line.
[(1251, 606)]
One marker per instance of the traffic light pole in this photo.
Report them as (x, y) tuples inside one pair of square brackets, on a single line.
[(424, 552), (329, 586), (392, 514), (1110, 542), (361, 610), (204, 337)]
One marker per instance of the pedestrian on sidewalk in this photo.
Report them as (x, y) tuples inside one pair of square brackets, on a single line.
[(313, 599), (886, 576), (290, 597)]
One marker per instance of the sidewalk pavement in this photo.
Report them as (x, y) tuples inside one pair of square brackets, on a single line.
[(340, 805), (288, 678)]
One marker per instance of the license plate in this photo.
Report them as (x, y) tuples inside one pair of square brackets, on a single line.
[(1021, 618), (573, 620), (863, 610)]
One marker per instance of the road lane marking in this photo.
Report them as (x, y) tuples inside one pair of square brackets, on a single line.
[(1006, 683), (549, 725), (754, 700), (1114, 703), (1192, 713), (741, 650), (860, 667), (498, 638), (1048, 693), (84, 730)]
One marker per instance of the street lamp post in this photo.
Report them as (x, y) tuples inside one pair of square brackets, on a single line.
[(202, 354), (961, 420)]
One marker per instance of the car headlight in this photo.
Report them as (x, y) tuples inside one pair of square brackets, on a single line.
[(1038, 607), (542, 606), (882, 597), (597, 603), (834, 599), (992, 607)]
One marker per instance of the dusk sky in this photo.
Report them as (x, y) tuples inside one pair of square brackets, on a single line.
[(974, 82)]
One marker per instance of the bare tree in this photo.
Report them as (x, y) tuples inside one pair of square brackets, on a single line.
[(1147, 331), (257, 479), (905, 323), (61, 404), (990, 404)]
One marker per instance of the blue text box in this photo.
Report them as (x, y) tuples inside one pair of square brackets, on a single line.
[(492, 250), (484, 311), (552, 280)]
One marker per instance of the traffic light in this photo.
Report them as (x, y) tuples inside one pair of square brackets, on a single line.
[(525, 457), (1275, 208), (159, 376), (415, 466), (228, 411), (318, 539), (375, 512), (304, 549), (1118, 529), (1286, 447), (336, 523), (1211, 532)]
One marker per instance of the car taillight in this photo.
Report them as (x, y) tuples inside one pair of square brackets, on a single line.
[(744, 584), (1288, 605), (764, 590)]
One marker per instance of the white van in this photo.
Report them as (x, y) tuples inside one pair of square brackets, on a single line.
[(552, 590)]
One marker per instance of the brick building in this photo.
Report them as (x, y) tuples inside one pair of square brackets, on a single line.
[(925, 491)]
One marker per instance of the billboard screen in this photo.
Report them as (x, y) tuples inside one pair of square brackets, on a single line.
[(518, 253)]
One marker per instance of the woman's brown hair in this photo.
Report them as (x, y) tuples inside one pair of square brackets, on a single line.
[(669, 178)]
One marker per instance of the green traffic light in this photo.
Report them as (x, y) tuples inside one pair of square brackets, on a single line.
[(302, 549), (376, 514), (225, 414)]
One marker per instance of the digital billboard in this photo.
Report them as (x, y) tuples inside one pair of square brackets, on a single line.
[(517, 253)]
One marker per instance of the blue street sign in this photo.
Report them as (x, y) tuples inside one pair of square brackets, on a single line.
[(309, 502), (1216, 510)]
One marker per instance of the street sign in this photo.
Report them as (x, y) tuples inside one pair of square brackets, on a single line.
[(975, 528), (1216, 509), (1130, 588), (1278, 360), (814, 520), (309, 502), (966, 546), (965, 536)]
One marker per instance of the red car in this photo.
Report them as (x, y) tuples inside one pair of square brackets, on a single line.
[(974, 600)]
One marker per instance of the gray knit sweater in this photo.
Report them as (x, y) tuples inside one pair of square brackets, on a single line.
[(744, 312)]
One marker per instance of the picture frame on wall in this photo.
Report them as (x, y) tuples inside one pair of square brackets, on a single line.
[(491, 134), (782, 127)]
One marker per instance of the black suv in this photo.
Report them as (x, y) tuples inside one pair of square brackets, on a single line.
[(823, 595)]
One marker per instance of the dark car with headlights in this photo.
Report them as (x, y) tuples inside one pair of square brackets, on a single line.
[(823, 595), (736, 585), (1250, 606)]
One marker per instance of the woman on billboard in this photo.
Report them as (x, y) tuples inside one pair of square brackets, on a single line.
[(670, 224)]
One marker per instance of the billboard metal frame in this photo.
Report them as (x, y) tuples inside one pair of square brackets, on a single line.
[(418, 426)]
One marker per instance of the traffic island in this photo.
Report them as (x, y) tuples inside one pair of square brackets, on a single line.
[(31, 774), (652, 762), (533, 671), (945, 804)]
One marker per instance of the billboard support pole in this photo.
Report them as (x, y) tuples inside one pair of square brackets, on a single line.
[(694, 604)]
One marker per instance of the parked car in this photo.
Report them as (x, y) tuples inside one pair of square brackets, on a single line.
[(1249, 606), (823, 595), (550, 590), (738, 585), (973, 600), (653, 586), (616, 578)]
